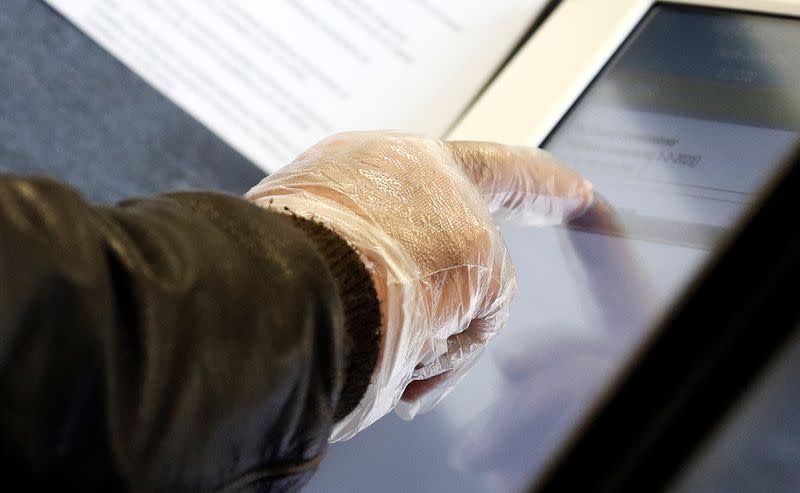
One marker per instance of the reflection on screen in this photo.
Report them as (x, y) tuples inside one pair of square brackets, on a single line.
[(683, 127)]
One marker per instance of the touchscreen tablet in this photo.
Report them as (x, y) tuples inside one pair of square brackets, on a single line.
[(685, 124)]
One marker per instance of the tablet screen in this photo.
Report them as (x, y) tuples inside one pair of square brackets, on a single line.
[(687, 121), (682, 128)]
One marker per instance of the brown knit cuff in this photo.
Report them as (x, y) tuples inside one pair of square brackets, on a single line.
[(361, 311)]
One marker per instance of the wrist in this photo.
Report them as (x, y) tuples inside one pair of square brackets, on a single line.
[(360, 305)]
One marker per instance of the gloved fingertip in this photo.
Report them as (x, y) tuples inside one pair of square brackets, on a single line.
[(584, 192), (407, 410)]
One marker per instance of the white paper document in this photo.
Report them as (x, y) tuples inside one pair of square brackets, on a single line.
[(272, 78)]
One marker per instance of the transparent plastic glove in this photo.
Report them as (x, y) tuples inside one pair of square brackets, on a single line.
[(418, 211)]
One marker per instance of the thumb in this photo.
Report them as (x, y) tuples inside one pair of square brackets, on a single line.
[(525, 184)]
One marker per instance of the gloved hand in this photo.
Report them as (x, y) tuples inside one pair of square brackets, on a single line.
[(418, 211)]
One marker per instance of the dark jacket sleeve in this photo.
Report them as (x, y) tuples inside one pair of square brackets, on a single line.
[(186, 342)]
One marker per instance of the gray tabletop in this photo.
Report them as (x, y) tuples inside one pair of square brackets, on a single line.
[(69, 110)]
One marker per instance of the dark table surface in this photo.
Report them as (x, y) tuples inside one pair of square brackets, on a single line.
[(70, 110)]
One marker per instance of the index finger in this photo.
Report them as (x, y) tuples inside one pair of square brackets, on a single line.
[(526, 184)]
